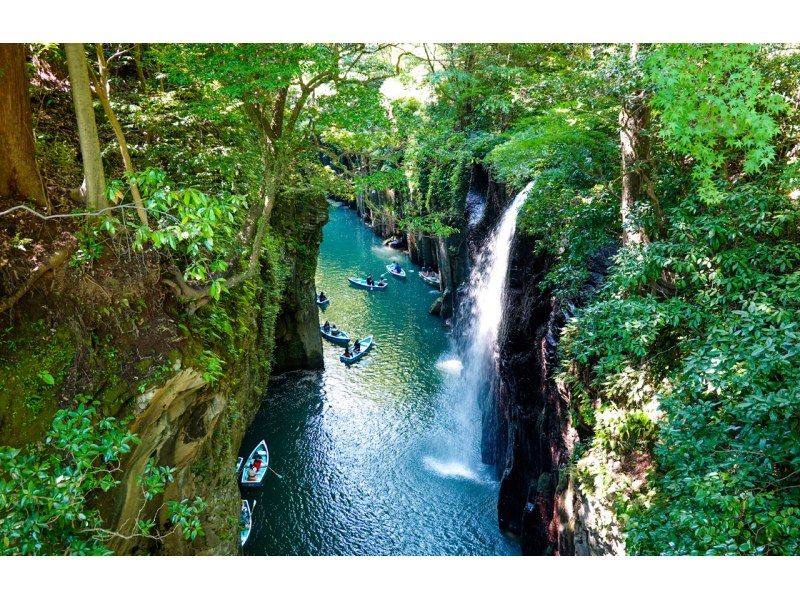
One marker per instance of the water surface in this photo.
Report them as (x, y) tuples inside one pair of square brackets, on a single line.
[(373, 457)]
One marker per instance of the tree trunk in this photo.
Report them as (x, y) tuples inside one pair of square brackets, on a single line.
[(634, 118), (137, 59), (94, 182), (19, 176), (102, 89)]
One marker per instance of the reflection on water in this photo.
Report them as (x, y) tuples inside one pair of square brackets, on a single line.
[(360, 447)]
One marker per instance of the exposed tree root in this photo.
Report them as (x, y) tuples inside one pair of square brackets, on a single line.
[(55, 260)]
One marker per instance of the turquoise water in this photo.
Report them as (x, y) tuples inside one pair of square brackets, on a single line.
[(366, 452)]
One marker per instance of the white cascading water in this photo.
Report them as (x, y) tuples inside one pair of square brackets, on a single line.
[(476, 349)]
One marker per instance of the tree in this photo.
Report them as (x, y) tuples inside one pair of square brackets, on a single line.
[(634, 119), (290, 93), (19, 176), (102, 89), (46, 489), (93, 188)]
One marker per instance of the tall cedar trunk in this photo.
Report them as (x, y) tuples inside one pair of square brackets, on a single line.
[(634, 118), (19, 176), (94, 182)]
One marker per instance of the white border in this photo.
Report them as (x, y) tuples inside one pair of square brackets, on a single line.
[(398, 20), (401, 20), (377, 577)]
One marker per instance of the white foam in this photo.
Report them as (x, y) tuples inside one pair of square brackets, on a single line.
[(451, 469), (454, 366)]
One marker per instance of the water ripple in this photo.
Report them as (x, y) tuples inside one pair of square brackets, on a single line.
[(358, 447)]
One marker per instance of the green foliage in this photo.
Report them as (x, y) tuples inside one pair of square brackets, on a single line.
[(89, 249), (57, 157), (33, 366), (199, 227), (430, 224), (717, 106), (390, 178), (570, 154), (46, 489), (720, 355), (212, 366)]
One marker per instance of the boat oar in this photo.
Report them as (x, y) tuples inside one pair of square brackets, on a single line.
[(280, 477)]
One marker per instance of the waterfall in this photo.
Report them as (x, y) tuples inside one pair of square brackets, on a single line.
[(475, 345)]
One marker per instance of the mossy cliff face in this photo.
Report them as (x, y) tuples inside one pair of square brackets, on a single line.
[(297, 340), (188, 386)]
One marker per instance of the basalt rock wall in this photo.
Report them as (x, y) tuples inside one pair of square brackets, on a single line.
[(297, 341), (527, 434)]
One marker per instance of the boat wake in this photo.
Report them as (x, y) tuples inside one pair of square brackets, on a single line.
[(452, 469)]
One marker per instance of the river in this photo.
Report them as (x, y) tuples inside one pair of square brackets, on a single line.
[(373, 458)]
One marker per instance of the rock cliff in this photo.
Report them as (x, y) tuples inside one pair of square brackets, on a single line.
[(188, 385), (527, 431)]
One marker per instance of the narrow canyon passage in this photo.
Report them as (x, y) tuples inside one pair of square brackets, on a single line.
[(373, 457)]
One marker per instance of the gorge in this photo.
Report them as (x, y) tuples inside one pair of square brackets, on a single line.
[(608, 365)]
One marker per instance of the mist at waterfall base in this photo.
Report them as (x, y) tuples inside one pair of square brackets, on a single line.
[(382, 457)]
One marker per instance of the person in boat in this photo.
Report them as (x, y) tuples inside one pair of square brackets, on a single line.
[(396, 267), (327, 326), (322, 297), (251, 473), (357, 347), (370, 280), (257, 463), (347, 352)]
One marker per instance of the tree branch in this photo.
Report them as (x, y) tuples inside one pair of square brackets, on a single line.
[(73, 215)]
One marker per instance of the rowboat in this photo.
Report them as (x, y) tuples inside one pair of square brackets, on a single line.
[(366, 345), (260, 453), (246, 521), (323, 303), (431, 279), (393, 272), (362, 283), (341, 338)]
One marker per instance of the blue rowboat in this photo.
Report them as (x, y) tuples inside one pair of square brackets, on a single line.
[(260, 453), (362, 284), (341, 338), (366, 345), (393, 272)]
